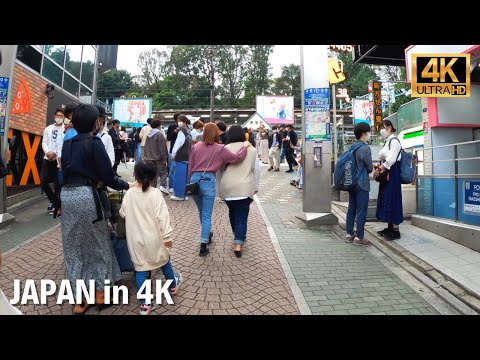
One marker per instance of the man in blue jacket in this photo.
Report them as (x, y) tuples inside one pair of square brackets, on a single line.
[(358, 197)]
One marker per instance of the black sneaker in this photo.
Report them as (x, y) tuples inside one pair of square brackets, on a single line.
[(50, 208), (203, 249), (210, 237), (289, 171), (384, 231), (270, 169), (392, 235)]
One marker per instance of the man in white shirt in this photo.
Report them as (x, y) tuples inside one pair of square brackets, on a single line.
[(51, 147), (143, 135), (103, 134)]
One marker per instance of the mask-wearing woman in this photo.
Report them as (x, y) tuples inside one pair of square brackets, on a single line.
[(389, 203)]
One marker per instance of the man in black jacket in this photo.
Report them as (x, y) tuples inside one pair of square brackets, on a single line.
[(172, 133), (289, 143), (274, 146), (117, 144)]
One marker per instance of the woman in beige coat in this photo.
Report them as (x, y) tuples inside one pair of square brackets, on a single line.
[(238, 185), (147, 223)]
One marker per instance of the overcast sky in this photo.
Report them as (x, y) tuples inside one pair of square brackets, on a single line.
[(282, 55)]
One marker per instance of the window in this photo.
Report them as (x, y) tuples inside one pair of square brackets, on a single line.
[(85, 95), (72, 60), (52, 72), (56, 53), (29, 56), (88, 64), (70, 84)]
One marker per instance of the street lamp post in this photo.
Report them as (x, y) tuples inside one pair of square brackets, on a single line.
[(212, 87)]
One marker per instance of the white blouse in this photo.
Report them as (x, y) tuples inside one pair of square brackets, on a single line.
[(390, 156)]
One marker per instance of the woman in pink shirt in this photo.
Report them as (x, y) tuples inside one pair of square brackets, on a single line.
[(208, 157)]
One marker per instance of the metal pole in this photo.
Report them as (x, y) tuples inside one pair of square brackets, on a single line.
[(335, 141), (455, 156), (7, 67), (212, 89)]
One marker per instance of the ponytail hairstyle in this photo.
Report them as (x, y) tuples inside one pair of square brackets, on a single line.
[(144, 173)]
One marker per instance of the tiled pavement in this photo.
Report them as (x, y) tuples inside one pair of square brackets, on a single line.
[(334, 277), (220, 283)]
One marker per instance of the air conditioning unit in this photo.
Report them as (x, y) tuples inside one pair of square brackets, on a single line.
[(476, 134)]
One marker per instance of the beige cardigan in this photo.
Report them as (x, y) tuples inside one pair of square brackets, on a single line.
[(240, 180), (147, 222)]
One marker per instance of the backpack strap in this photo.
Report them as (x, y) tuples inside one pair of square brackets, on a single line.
[(401, 150)]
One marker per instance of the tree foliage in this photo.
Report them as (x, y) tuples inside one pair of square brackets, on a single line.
[(356, 76), (115, 83), (289, 83)]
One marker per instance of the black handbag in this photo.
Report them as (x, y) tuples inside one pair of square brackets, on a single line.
[(193, 188)]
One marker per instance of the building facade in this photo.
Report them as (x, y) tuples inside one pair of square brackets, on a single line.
[(45, 78)]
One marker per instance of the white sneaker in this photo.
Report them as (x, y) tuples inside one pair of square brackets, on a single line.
[(170, 190), (173, 197), (164, 190), (146, 309)]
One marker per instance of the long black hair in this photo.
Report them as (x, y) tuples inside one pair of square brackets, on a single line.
[(235, 134), (144, 173)]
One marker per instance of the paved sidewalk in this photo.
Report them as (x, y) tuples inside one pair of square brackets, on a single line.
[(334, 277), (219, 284)]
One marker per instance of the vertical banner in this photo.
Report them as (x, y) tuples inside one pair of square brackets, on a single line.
[(3, 103), (317, 114), (375, 97)]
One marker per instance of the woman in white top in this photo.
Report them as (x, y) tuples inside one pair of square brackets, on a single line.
[(389, 203)]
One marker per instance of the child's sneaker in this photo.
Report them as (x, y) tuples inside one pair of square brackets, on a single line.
[(146, 309), (178, 281)]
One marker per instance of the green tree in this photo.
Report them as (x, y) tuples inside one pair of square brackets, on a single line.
[(356, 76), (399, 101), (114, 83), (153, 65), (232, 69), (289, 83), (257, 81)]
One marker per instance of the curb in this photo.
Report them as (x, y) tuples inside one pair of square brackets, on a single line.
[(457, 296), (292, 283), (31, 239)]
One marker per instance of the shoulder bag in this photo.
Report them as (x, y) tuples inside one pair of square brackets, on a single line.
[(193, 188)]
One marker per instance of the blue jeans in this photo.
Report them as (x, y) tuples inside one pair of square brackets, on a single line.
[(357, 205), (205, 201), (180, 178), (138, 152), (171, 171), (141, 276), (282, 155), (238, 212)]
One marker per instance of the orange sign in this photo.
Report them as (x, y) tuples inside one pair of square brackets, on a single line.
[(23, 102)]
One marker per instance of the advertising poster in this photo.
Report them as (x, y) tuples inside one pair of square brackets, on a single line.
[(362, 111), (471, 205), (276, 109), (3, 103), (132, 112), (317, 114)]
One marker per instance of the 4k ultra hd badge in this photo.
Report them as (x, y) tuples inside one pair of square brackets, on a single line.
[(441, 75)]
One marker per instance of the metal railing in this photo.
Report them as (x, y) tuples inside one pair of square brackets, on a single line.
[(456, 159)]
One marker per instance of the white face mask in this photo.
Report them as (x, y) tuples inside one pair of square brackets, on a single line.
[(274, 131), (180, 124), (67, 121), (384, 133), (59, 121), (367, 138)]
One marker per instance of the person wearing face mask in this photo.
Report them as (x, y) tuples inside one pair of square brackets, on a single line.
[(274, 146), (180, 155), (103, 134), (51, 148), (358, 197), (389, 203)]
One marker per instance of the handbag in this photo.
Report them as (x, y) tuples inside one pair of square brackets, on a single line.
[(193, 188)]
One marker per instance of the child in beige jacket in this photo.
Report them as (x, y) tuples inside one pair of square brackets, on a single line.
[(147, 223)]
